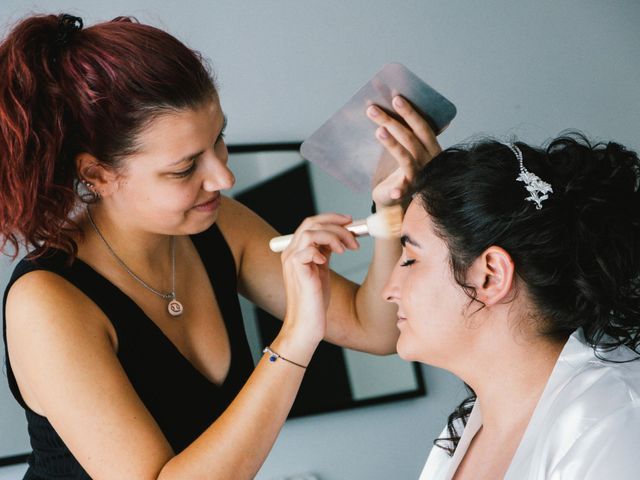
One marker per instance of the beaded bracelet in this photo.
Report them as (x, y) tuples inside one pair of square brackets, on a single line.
[(273, 356)]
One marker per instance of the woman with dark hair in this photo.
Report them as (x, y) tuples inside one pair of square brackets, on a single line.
[(124, 338), (520, 273)]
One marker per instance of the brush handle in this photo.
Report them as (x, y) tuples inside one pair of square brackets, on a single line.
[(278, 244)]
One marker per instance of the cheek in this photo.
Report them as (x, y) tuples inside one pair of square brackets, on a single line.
[(433, 308), (161, 195), (418, 301), (423, 294)]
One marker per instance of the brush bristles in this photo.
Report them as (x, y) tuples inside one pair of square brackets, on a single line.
[(386, 222)]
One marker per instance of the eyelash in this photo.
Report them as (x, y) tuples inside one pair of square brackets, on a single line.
[(186, 172), (407, 263)]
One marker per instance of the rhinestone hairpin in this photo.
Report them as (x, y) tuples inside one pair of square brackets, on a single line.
[(538, 189)]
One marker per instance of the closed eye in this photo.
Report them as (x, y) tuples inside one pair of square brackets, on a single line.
[(222, 130), (407, 263), (185, 173)]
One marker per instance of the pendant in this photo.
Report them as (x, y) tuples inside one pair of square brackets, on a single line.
[(175, 308)]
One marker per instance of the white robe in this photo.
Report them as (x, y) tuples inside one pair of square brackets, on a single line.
[(586, 425)]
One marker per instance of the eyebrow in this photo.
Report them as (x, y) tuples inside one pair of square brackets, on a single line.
[(404, 239), (194, 155)]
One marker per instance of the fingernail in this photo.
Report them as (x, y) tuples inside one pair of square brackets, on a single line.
[(398, 102), (382, 133), (374, 111)]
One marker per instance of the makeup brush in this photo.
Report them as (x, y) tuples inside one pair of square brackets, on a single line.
[(385, 223)]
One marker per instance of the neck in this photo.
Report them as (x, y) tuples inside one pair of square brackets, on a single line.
[(508, 373), (145, 253)]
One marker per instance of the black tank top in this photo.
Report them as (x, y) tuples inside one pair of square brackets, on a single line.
[(182, 401)]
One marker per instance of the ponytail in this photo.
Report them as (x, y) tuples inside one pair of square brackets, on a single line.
[(36, 174)]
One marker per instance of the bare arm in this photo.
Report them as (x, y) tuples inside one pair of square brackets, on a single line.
[(358, 317), (64, 358)]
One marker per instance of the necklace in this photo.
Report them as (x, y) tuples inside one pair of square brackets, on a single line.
[(174, 307)]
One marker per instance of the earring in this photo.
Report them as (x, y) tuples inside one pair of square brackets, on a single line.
[(95, 195)]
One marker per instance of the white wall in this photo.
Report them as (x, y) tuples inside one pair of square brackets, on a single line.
[(512, 67)]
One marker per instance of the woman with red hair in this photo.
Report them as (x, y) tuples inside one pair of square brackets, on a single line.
[(124, 338)]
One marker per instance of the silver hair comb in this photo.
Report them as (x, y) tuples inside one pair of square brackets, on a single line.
[(538, 189)]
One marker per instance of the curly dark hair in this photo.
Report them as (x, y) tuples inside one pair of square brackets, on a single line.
[(578, 256)]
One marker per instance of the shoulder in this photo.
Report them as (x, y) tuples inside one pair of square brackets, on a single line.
[(43, 303), (595, 412), (595, 382), (38, 288), (600, 388), (42, 279), (48, 321), (607, 448)]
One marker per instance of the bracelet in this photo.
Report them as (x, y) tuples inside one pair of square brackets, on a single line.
[(273, 356)]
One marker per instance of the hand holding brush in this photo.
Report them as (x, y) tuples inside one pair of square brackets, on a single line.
[(386, 223)]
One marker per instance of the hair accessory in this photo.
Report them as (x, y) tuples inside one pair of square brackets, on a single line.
[(273, 356), (68, 25), (537, 188), (174, 307)]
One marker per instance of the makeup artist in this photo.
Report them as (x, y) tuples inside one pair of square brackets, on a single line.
[(124, 337)]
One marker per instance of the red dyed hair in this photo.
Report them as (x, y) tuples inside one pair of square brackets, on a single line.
[(92, 93)]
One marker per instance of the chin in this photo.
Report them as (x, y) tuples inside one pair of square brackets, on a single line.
[(202, 224), (414, 350), (405, 350)]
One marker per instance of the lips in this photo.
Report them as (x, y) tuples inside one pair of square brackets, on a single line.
[(210, 201)]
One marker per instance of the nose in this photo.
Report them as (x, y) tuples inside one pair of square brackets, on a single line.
[(217, 175), (391, 291)]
